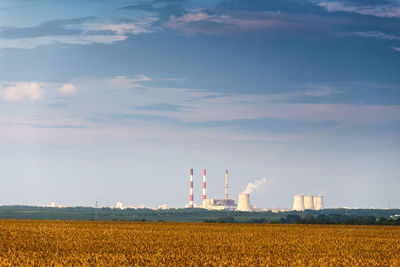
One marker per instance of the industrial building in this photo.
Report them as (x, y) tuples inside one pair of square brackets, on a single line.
[(302, 202), (219, 204), (211, 203)]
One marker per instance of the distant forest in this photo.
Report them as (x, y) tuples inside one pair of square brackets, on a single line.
[(326, 216)]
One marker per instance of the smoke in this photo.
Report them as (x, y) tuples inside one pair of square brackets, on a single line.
[(254, 186)]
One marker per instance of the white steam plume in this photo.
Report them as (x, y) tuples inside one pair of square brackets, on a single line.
[(254, 186)]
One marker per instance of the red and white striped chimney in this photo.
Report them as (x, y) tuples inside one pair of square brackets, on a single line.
[(204, 188), (191, 189)]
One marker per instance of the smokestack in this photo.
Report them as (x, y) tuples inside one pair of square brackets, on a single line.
[(244, 202), (226, 185), (204, 188), (191, 189)]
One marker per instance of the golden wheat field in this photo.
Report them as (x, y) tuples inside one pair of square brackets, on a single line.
[(78, 243)]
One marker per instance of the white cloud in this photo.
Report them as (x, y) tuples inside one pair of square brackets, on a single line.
[(229, 109), (204, 106), (236, 22), (30, 43), (124, 82), (105, 33), (319, 90), (175, 79), (68, 88), (124, 28), (141, 78), (185, 22), (378, 11), (396, 48), (313, 90), (211, 105), (20, 91), (377, 35), (138, 27)]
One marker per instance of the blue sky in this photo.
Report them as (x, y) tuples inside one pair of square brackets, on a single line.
[(117, 100)]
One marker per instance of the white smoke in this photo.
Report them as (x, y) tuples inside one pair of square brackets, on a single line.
[(254, 186)]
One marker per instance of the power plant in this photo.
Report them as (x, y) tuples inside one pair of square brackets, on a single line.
[(301, 202), (211, 203)]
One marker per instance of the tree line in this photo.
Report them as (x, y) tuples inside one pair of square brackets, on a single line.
[(340, 219)]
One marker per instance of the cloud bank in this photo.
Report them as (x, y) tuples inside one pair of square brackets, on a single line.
[(68, 89), (382, 10), (235, 22), (125, 82), (81, 31), (20, 91)]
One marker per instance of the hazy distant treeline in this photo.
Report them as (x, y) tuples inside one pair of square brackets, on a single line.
[(340, 219), (328, 216)]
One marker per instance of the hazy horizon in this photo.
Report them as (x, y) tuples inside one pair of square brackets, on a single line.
[(117, 100)]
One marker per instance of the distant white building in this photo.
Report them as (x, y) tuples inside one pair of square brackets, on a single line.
[(119, 205), (54, 205), (219, 204), (163, 207)]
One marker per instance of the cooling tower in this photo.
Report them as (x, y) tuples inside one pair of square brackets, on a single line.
[(244, 202), (298, 203), (318, 202), (308, 203)]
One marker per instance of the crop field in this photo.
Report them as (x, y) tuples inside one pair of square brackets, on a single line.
[(84, 243)]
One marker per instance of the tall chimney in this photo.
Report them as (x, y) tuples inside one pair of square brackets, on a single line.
[(204, 188), (226, 185), (191, 189)]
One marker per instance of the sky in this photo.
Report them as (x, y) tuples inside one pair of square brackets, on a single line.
[(115, 100)]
